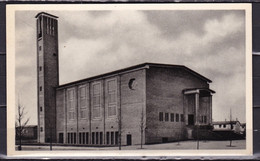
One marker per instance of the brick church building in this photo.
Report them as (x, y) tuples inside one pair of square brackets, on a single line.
[(158, 102)]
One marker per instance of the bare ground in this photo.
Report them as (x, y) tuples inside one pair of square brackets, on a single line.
[(188, 145)]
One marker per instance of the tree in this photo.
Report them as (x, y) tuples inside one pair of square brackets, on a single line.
[(20, 123), (142, 126)]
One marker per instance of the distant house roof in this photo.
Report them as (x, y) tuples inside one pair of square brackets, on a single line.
[(139, 66), (224, 122)]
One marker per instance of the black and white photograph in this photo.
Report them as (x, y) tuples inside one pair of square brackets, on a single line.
[(135, 79)]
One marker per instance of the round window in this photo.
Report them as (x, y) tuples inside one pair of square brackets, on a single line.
[(132, 84)]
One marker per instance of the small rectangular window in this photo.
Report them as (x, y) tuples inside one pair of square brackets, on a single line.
[(83, 138), (101, 138), (177, 117), (182, 118), (40, 68), (40, 48), (205, 119), (116, 137), (41, 129), (71, 138), (40, 88), (75, 138), (41, 108), (68, 138), (112, 137), (172, 117), (96, 137), (93, 138), (80, 138), (107, 137), (166, 116), (160, 116), (87, 138)]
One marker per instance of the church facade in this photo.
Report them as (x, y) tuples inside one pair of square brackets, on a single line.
[(149, 102)]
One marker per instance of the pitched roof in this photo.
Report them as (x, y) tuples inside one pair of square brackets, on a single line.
[(136, 67)]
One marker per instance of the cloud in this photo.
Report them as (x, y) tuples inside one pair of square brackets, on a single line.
[(219, 29), (96, 42), (121, 38), (174, 23)]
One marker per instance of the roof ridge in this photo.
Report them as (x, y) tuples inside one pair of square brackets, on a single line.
[(142, 65)]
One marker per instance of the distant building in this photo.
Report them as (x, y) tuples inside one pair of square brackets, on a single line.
[(168, 100), (235, 126)]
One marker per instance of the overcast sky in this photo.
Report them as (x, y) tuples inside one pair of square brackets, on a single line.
[(94, 42)]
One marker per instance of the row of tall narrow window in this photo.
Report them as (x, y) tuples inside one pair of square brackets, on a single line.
[(203, 119), (72, 138), (39, 27), (171, 117), (50, 23), (95, 98), (50, 26), (96, 138)]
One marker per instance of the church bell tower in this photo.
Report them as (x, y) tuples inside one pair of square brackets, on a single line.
[(47, 75)]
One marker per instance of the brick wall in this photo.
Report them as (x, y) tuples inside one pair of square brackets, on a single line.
[(48, 79), (133, 100), (164, 94)]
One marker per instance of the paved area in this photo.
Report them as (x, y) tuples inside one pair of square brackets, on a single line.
[(236, 144)]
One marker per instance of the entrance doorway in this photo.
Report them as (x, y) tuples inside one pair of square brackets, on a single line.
[(190, 119), (60, 137), (164, 140), (129, 139)]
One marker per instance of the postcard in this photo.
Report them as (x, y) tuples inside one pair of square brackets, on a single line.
[(129, 80)]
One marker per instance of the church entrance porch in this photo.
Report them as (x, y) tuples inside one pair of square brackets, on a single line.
[(197, 108)]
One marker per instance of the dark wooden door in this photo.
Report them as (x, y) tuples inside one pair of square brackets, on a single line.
[(129, 139), (60, 137), (190, 119)]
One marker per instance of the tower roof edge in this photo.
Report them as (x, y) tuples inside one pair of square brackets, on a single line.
[(44, 13)]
